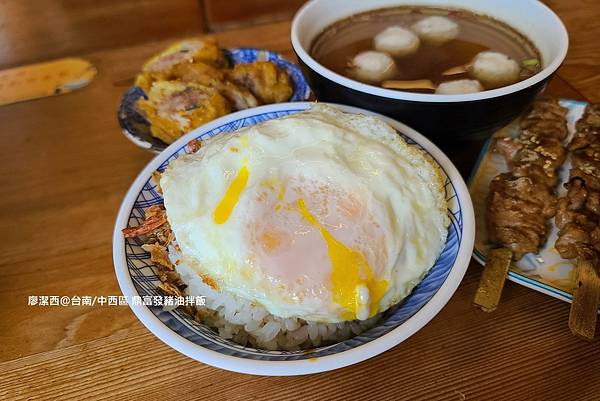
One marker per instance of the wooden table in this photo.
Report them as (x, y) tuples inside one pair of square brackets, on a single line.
[(66, 167)]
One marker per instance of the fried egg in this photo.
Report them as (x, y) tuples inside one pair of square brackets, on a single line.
[(321, 215)]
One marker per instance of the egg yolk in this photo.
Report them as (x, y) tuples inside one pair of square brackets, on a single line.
[(232, 195), (354, 286)]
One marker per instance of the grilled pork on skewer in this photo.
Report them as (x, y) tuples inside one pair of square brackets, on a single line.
[(578, 219), (521, 201)]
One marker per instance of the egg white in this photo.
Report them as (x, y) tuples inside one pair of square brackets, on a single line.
[(361, 184)]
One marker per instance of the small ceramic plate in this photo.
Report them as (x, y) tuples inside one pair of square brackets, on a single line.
[(546, 272), (137, 275), (137, 129)]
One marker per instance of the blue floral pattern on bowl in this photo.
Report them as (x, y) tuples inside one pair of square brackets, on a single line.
[(145, 280), (135, 127)]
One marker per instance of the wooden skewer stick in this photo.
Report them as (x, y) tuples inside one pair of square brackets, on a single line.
[(586, 298), (416, 84), (492, 280), (459, 69)]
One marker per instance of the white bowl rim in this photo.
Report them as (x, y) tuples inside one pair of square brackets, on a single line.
[(305, 366), (304, 56)]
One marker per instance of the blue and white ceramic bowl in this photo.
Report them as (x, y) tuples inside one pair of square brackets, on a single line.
[(135, 127), (137, 276)]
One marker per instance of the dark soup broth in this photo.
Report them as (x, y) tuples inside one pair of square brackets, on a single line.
[(431, 62)]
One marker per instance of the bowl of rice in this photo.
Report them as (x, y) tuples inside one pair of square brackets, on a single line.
[(210, 324)]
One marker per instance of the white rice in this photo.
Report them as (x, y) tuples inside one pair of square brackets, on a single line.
[(249, 324)]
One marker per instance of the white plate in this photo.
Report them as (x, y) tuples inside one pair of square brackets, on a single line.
[(137, 276)]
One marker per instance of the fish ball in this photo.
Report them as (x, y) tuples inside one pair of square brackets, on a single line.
[(459, 86), (371, 66), (397, 41), (436, 29), (495, 69)]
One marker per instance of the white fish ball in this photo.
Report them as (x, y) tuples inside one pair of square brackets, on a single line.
[(371, 66), (495, 69), (459, 86), (397, 41), (436, 29)]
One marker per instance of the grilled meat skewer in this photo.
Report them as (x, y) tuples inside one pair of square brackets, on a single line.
[(578, 213), (521, 201), (578, 218)]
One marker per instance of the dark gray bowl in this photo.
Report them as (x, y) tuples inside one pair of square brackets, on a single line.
[(443, 118)]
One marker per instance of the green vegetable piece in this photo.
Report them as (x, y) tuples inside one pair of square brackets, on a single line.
[(532, 62)]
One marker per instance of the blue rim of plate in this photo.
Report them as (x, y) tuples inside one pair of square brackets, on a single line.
[(136, 274), (515, 276), (135, 127)]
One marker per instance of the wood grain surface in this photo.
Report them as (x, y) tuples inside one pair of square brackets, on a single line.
[(582, 66), (34, 30), (66, 167), (247, 12)]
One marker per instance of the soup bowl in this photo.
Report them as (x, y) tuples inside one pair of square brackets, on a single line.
[(443, 118)]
